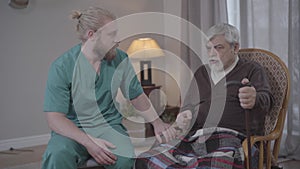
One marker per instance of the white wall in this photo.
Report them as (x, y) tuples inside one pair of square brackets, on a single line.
[(30, 40)]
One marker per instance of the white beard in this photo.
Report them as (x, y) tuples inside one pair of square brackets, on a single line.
[(218, 67)]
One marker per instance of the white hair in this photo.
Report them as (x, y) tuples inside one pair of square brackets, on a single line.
[(230, 32)]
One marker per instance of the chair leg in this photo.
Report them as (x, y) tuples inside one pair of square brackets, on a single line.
[(261, 155), (268, 155), (276, 148)]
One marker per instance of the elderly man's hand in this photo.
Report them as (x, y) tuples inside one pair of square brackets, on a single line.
[(163, 131), (183, 119), (247, 95)]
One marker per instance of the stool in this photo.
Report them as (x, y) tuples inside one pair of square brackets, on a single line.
[(91, 164)]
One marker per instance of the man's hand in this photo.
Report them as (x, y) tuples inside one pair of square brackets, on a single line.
[(247, 95), (183, 119), (165, 130), (99, 150)]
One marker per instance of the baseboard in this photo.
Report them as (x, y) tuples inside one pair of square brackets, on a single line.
[(24, 142)]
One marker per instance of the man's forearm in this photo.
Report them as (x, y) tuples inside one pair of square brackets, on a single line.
[(264, 101), (144, 108), (63, 126)]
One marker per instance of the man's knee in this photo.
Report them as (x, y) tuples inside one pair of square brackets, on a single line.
[(63, 151), (58, 152), (58, 157), (55, 158)]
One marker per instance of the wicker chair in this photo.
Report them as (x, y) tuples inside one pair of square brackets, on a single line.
[(279, 79)]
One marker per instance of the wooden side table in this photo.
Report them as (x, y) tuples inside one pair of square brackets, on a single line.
[(156, 103), (148, 89), (169, 114)]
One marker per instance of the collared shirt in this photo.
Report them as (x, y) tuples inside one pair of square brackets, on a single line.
[(216, 76)]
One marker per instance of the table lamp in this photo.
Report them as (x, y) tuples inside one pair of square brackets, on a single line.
[(145, 49)]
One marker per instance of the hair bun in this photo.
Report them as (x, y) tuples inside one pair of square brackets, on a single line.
[(76, 14)]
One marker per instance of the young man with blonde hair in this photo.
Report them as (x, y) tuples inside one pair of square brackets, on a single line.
[(80, 98)]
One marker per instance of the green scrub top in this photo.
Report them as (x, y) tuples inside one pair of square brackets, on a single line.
[(89, 99)]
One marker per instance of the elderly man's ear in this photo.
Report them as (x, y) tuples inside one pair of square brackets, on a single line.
[(236, 48)]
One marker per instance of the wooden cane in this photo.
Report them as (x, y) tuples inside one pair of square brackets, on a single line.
[(247, 119), (247, 112)]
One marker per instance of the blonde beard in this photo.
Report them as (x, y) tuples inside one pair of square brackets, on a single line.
[(111, 54)]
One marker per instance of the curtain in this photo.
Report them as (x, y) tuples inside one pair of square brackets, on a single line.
[(292, 142), (274, 25), (201, 14), (264, 24)]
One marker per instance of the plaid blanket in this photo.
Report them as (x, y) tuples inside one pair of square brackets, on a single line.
[(212, 148)]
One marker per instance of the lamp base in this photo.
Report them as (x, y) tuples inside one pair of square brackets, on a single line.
[(146, 75), (146, 84)]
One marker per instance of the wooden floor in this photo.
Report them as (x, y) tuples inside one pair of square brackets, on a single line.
[(30, 158), (290, 164), (9, 159)]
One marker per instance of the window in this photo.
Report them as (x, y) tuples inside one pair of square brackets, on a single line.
[(233, 10)]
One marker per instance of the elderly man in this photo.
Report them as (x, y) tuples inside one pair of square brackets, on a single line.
[(225, 87)]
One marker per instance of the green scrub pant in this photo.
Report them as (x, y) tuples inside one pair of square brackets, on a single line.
[(65, 153)]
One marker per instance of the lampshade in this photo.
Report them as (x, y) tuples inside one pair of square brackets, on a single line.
[(144, 48)]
